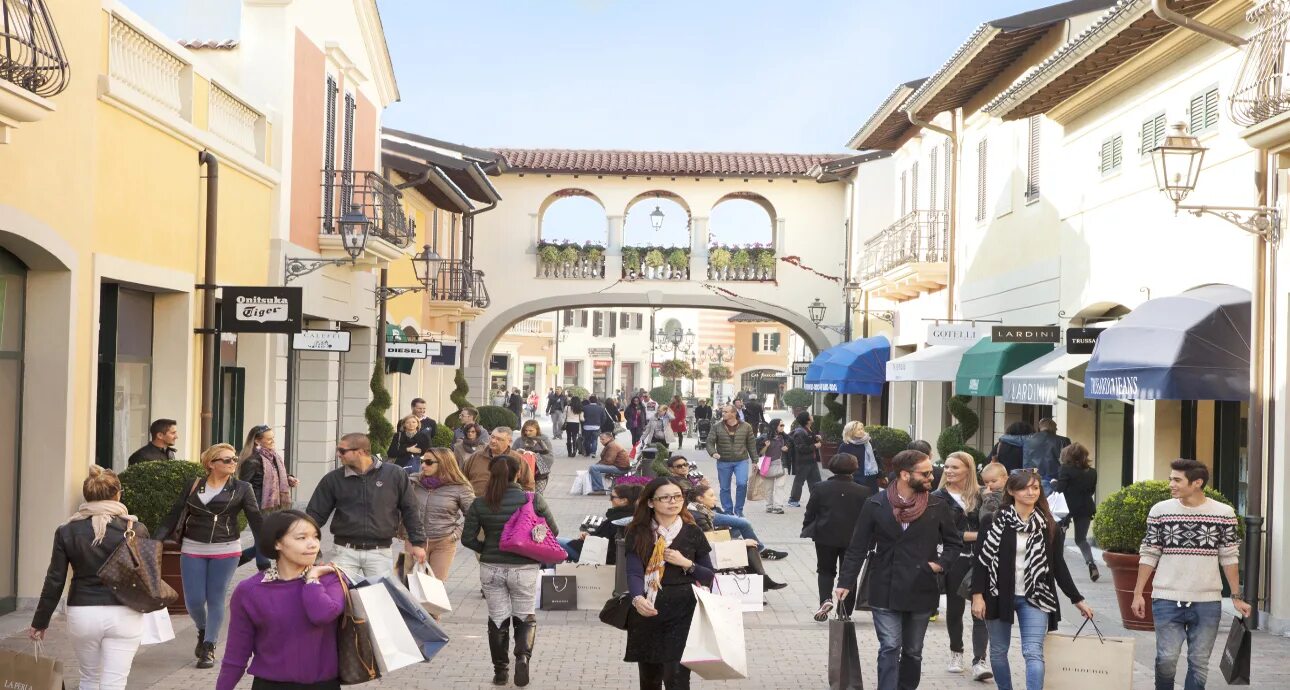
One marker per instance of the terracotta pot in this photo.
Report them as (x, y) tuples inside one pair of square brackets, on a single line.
[(170, 573), (827, 451), (1124, 575)]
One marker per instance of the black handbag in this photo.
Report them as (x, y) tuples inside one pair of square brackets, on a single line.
[(1235, 664), (862, 589), (616, 611)]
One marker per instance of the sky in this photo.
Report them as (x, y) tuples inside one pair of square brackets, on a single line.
[(700, 75)]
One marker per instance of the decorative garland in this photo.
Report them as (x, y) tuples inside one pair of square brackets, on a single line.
[(797, 261)]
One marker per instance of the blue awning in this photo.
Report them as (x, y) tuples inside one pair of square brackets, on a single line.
[(1193, 346), (856, 368)]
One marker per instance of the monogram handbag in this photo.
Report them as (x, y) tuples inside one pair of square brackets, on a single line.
[(133, 573), (355, 658)]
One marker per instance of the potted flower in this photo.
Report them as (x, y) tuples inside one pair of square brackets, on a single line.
[(595, 257), (655, 260), (1119, 528), (740, 262), (548, 257), (766, 263), (569, 257), (631, 262), (719, 260), (679, 260)]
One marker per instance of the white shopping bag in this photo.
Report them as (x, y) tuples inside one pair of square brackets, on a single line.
[(727, 555), (595, 551), (746, 588), (581, 484), (391, 640), (714, 648), (595, 583), (1077, 662), (428, 590), (1057, 505), (157, 628)]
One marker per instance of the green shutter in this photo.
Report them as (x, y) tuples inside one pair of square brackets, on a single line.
[(756, 342), (774, 341)]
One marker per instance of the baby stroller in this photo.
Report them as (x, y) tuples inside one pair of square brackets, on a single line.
[(704, 426)]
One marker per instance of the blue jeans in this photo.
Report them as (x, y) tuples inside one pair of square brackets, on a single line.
[(206, 583), (590, 441), (598, 473), (569, 550), (739, 527), (1197, 623), (739, 469), (900, 647), (1034, 626)]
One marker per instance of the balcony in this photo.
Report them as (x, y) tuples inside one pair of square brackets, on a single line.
[(656, 263), (390, 233), (908, 258), (531, 327), (570, 261), (33, 67), (458, 292), (1262, 90), (753, 263)]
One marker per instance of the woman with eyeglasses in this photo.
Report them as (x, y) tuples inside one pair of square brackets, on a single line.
[(667, 555), (205, 520), (262, 466), (473, 439), (443, 495)]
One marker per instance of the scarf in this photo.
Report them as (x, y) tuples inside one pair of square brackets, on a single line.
[(869, 463), (907, 511), (654, 569), (100, 513), (271, 574), (1038, 585), (431, 483), (275, 487)]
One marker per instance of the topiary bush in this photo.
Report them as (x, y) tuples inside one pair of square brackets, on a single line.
[(492, 416), (1121, 521), (379, 429), (148, 489), (577, 392), (829, 429), (462, 389), (453, 421), (954, 437), (661, 394), (442, 437), (798, 397), (887, 441), (659, 466)]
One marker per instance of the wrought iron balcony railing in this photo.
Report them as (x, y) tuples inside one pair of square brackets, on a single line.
[(458, 282), (31, 56), (919, 237), (1262, 88), (373, 196)]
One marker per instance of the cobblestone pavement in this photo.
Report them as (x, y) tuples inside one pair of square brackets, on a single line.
[(786, 648)]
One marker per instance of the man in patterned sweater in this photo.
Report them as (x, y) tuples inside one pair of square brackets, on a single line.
[(1189, 537)]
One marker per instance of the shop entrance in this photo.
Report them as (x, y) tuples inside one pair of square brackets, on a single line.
[(124, 408), (1215, 432), (13, 298)]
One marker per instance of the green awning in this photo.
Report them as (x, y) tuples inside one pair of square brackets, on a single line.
[(397, 365), (394, 334), (982, 368)]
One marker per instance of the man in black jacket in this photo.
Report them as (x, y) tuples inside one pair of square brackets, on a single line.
[(162, 435), (904, 525), (370, 498), (594, 418)]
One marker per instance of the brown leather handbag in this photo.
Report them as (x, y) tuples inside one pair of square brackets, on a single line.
[(133, 573), (356, 660)]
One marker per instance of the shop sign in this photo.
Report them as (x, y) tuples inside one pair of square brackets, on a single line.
[(656, 365), (321, 341), (1080, 341), (601, 363), (261, 310), (446, 357), (600, 352), (953, 334), (1030, 391), (405, 351), (432, 348), (799, 368), (1107, 387), (1026, 334)]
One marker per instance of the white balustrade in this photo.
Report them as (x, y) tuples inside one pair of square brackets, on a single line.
[(232, 120), (145, 66)]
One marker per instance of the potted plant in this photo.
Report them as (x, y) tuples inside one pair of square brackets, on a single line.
[(766, 263), (569, 257), (829, 427), (148, 490), (654, 260), (631, 262), (798, 400), (740, 262), (1119, 528), (595, 257), (886, 442), (548, 257), (719, 260), (679, 260)]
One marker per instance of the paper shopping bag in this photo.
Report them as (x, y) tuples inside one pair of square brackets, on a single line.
[(36, 671), (1057, 505), (1079, 663), (428, 590), (595, 583), (727, 555), (392, 641), (746, 588), (714, 647), (1235, 664), (844, 656), (581, 484), (717, 535), (559, 593), (595, 551), (758, 487), (157, 627), (430, 637)]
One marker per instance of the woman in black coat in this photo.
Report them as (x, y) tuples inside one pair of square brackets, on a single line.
[(830, 518), (959, 488), (409, 444), (1077, 481)]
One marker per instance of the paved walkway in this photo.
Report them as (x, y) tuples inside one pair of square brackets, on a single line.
[(786, 648)]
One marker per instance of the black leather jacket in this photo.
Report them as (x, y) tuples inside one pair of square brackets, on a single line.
[(73, 545), (214, 522)]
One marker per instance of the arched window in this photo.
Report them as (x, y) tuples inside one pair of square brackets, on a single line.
[(573, 216), (741, 238), (656, 237)]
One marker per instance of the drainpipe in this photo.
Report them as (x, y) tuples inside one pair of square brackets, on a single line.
[(468, 271), (210, 331), (1161, 8), (951, 223)]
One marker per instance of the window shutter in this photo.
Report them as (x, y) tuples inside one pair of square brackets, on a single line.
[(613, 324), (981, 172), (756, 342), (1153, 133), (904, 190), (329, 153), (568, 317), (1032, 159), (1202, 112), (640, 321), (913, 187), (582, 318), (350, 106), (1211, 107), (623, 319), (597, 323), (931, 180), (774, 342), (949, 163)]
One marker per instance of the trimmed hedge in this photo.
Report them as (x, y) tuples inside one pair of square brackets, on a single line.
[(577, 392), (887, 441), (492, 416), (1121, 521), (798, 397), (442, 437), (148, 489)]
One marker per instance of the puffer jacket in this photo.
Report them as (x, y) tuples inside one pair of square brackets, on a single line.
[(74, 546), (214, 522), (442, 509), (481, 515), (740, 445)]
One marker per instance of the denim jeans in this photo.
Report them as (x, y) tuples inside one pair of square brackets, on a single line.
[(590, 441), (1197, 623), (739, 527), (900, 647), (206, 583), (1034, 626), (368, 564), (509, 590), (739, 470), (598, 473)]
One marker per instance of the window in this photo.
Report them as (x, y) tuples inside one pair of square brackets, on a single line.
[(582, 318), (913, 187), (1153, 134), (571, 369), (611, 325), (638, 321), (568, 317), (765, 342), (1112, 154), (1202, 113), (1032, 159), (598, 324), (931, 180), (981, 172)]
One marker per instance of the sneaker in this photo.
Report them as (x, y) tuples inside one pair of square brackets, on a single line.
[(773, 555), (822, 613), (980, 671), (956, 662), (794, 504), (935, 616), (776, 511)]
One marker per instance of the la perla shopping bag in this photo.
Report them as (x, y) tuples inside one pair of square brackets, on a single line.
[(595, 551), (727, 555), (748, 589), (714, 647), (391, 640), (36, 671), (1235, 664), (428, 590), (594, 583), (1072, 662), (844, 652)]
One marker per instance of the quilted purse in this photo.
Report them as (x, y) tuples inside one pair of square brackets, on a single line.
[(527, 534)]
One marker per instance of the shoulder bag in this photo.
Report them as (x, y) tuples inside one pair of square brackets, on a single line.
[(355, 657), (177, 532), (133, 573), (527, 534)]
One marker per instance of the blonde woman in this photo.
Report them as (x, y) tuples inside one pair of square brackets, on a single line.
[(443, 495), (856, 441), (408, 444), (960, 489), (206, 514)]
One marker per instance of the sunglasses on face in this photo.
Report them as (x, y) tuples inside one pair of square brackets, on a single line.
[(429, 462), (680, 465), (231, 460), (343, 450)]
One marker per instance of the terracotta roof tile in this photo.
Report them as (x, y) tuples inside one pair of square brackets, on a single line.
[(663, 162), (198, 44)]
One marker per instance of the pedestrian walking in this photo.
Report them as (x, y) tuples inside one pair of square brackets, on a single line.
[(1042, 452), (634, 419), (532, 439), (479, 467), (409, 442), (733, 444), (831, 517), (442, 495), (914, 540), (594, 418), (961, 491), (1008, 450), (533, 404), (772, 446), (614, 461), (205, 519), (573, 427), (804, 446), (466, 416), (1018, 568), (678, 422), (105, 635), (667, 555), (1077, 481), (509, 580), (1187, 536), (556, 404), (472, 440), (515, 403), (856, 441), (162, 435), (261, 466), (369, 498), (703, 507), (615, 413), (658, 429), (284, 620)]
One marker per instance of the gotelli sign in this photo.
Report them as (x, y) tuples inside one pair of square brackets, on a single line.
[(1026, 334), (261, 310)]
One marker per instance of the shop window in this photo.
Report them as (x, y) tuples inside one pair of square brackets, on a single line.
[(124, 408), (571, 369)]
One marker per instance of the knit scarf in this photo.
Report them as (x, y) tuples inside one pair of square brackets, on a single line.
[(907, 511), (654, 569), (430, 483), (275, 488), (100, 513), (1039, 590), (869, 463)]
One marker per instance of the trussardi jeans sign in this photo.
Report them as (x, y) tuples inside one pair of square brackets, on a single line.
[(261, 310)]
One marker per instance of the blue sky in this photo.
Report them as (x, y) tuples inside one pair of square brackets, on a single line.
[(707, 75)]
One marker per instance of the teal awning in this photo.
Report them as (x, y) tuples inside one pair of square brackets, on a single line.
[(984, 364)]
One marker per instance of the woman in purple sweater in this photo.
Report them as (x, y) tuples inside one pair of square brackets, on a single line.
[(285, 614)]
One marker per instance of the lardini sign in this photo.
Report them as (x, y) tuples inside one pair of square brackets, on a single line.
[(261, 310), (1026, 334)]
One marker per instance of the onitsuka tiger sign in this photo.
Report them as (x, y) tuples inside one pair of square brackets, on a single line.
[(261, 310)]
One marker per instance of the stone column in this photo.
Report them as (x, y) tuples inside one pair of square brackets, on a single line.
[(699, 248), (316, 432), (614, 248)]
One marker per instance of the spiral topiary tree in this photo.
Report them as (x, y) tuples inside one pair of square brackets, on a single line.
[(954, 437), (830, 425), (458, 395), (379, 429)]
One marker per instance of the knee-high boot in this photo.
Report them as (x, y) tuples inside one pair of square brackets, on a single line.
[(499, 638), (525, 635)]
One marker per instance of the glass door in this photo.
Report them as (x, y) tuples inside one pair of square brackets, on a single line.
[(13, 288)]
